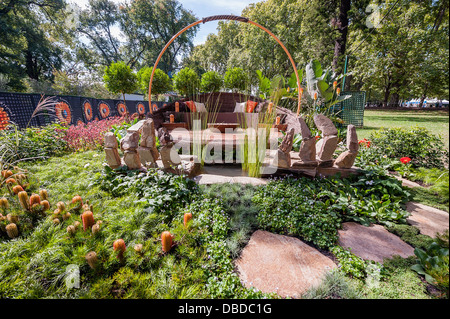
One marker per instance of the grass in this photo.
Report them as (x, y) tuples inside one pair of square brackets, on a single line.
[(437, 122), (33, 266)]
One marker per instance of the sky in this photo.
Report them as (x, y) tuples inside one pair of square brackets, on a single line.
[(201, 9)]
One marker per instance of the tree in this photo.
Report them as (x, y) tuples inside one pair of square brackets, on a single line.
[(341, 24), (161, 81), (236, 80), (29, 36), (99, 46), (394, 61), (150, 24), (211, 82), (119, 78), (186, 81)]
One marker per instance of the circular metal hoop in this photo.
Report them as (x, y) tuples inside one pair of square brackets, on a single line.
[(227, 17)]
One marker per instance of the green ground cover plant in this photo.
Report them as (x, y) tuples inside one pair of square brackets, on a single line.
[(137, 207), (437, 122), (32, 143), (315, 209)]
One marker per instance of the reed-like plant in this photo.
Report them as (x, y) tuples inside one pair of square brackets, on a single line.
[(256, 135), (199, 123)]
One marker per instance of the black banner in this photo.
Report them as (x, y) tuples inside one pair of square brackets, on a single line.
[(19, 108)]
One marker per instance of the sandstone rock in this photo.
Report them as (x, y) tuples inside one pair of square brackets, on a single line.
[(307, 152), (352, 139), (136, 127), (283, 154), (326, 148), (130, 141), (372, 243), (146, 156), (110, 140), (304, 129), (148, 138), (428, 219), (281, 264), (346, 159), (286, 144), (325, 125), (169, 156), (132, 160), (112, 157), (283, 159)]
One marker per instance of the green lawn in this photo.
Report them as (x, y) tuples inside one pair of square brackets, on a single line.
[(437, 122)]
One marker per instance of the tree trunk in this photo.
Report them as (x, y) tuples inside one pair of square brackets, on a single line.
[(387, 93), (32, 69), (341, 40)]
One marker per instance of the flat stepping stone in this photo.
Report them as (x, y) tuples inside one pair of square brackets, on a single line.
[(428, 220), (207, 179), (373, 242), (407, 183), (281, 264)]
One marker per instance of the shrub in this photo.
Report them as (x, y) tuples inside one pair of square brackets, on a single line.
[(90, 136), (186, 81), (236, 79), (211, 82), (32, 143), (425, 149), (161, 81), (119, 78)]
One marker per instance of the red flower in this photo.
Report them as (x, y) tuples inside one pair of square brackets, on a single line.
[(405, 160), (364, 142)]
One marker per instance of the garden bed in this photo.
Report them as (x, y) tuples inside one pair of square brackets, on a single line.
[(139, 207)]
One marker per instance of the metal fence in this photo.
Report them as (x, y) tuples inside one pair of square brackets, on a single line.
[(352, 109), (19, 108)]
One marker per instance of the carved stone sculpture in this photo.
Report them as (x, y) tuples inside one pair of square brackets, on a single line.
[(112, 154), (284, 158), (347, 158), (307, 151), (147, 150), (326, 147), (129, 145)]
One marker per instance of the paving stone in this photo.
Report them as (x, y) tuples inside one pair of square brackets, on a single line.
[(428, 219), (373, 242), (281, 264)]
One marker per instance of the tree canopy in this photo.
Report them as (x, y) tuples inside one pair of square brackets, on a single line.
[(396, 49)]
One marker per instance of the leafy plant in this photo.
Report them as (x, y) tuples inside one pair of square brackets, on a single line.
[(433, 263), (236, 79), (211, 82), (90, 136), (186, 81), (161, 81), (424, 149), (119, 78)]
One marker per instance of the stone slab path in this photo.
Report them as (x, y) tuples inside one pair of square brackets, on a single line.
[(373, 242), (219, 174), (428, 220), (281, 264)]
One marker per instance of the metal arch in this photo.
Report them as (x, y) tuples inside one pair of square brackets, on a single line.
[(227, 17)]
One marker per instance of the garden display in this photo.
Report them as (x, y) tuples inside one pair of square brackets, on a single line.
[(219, 181)]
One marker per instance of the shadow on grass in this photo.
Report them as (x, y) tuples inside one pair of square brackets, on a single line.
[(433, 119)]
